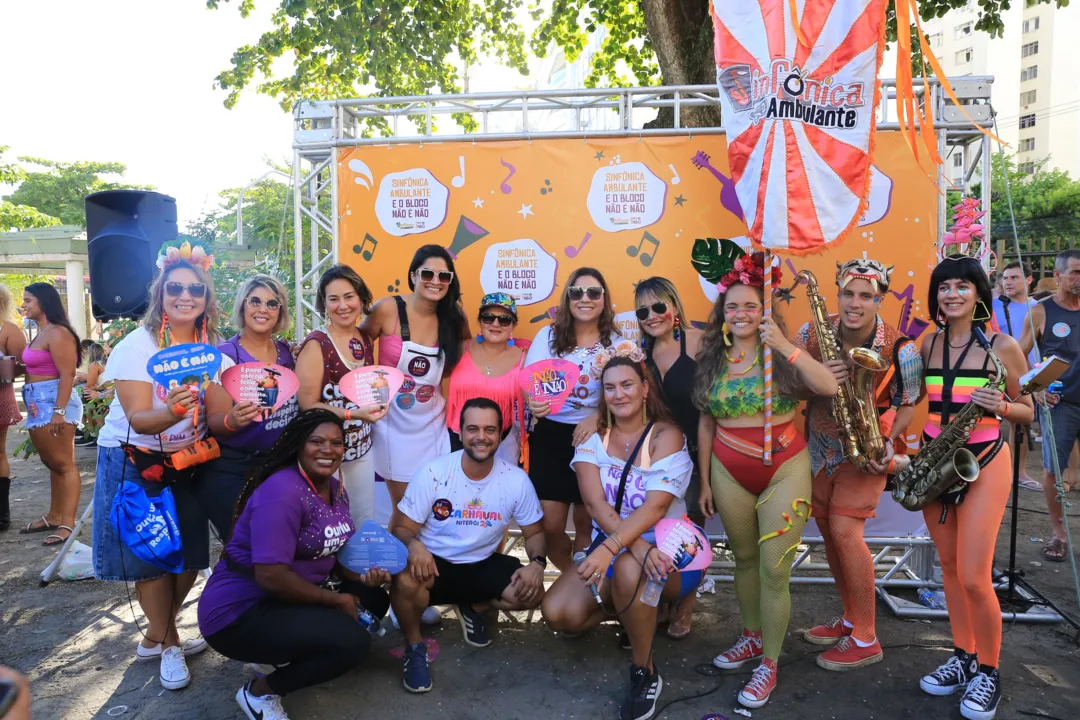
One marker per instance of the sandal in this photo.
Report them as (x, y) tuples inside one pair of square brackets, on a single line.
[(1054, 551), (60, 539), (681, 618), (43, 527)]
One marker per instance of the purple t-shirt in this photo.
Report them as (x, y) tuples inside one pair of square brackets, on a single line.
[(260, 436), (285, 522)]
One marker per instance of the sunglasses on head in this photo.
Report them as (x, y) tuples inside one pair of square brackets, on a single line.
[(255, 303), (175, 289), (657, 307), (576, 292), (427, 275), (492, 318)]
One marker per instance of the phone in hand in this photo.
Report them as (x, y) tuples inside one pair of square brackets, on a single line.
[(9, 693)]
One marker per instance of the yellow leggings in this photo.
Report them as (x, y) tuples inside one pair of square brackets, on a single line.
[(763, 533)]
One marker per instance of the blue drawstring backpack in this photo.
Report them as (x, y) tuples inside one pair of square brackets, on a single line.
[(148, 527)]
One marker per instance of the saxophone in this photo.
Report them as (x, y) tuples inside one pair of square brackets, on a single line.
[(853, 405), (944, 464)]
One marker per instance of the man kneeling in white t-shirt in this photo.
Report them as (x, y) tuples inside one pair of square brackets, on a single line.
[(453, 519)]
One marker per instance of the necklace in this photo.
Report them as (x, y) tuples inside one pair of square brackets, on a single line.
[(748, 368), (311, 484), (737, 359), (962, 345)]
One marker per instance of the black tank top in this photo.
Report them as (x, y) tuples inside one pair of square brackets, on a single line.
[(678, 387), (1061, 337)]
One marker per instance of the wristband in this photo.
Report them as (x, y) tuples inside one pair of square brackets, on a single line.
[(178, 410), (891, 469), (1008, 406), (225, 421), (794, 356), (348, 414)]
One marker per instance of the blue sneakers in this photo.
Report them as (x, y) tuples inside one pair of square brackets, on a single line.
[(473, 626), (416, 677)]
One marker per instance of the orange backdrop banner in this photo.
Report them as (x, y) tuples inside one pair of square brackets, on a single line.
[(519, 217)]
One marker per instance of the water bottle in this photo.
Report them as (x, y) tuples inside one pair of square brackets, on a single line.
[(579, 557), (933, 599), (370, 622), (651, 594)]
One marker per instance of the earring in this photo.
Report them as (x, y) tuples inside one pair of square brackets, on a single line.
[(724, 331), (677, 324), (644, 417), (976, 317), (510, 342), (941, 319), (480, 337)]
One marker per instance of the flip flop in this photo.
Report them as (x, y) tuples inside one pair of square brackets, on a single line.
[(44, 527), (60, 540), (1054, 551)]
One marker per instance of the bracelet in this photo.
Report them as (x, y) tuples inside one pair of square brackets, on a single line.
[(605, 545), (794, 356), (615, 536), (1008, 406), (225, 421), (348, 414), (891, 469)]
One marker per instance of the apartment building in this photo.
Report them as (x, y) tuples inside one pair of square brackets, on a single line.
[(1036, 90)]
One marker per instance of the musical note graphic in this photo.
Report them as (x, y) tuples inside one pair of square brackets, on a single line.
[(728, 197), (505, 185), (913, 327), (366, 254), (572, 252), (459, 180), (645, 258), (675, 180)]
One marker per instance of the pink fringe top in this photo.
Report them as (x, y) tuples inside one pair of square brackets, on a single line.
[(468, 381)]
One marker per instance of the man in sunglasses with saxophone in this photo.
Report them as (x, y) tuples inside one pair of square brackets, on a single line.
[(845, 495)]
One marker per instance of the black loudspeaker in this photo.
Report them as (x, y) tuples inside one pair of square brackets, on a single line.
[(125, 230)]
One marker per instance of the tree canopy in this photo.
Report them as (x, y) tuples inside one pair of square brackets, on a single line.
[(58, 188), (356, 48), (14, 217)]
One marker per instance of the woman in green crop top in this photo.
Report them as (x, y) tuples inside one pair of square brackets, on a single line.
[(763, 507)]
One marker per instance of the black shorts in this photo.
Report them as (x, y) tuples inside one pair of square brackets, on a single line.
[(551, 448), (466, 583)]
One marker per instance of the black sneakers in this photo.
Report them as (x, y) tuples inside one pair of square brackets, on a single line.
[(980, 701), (640, 703), (952, 676)]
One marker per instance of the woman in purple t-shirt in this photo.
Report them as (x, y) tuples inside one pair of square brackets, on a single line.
[(261, 311), (271, 599)]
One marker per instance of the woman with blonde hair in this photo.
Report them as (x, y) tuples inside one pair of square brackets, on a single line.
[(245, 430), (147, 423), (12, 342)]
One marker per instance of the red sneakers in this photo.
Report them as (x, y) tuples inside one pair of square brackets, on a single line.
[(847, 655), (828, 634), (757, 691), (746, 648)]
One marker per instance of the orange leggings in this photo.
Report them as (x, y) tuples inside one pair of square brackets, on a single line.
[(965, 544)]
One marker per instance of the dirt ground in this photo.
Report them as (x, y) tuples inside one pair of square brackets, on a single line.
[(76, 642)]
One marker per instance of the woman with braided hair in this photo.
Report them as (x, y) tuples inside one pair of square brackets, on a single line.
[(277, 596), (763, 507)]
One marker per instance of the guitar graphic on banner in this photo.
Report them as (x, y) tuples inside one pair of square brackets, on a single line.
[(728, 197)]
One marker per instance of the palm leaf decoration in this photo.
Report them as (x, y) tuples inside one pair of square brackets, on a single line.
[(713, 258)]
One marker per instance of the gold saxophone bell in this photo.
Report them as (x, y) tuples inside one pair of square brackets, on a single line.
[(963, 466), (864, 411)]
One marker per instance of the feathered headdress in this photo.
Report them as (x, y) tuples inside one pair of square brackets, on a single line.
[(724, 263), (191, 255), (965, 238), (623, 348)]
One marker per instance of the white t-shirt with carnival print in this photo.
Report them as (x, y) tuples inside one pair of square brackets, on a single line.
[(463, 520), (670, 474), (585, 398)]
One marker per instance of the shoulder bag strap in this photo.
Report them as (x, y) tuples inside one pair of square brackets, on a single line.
[(403, 318), (626, 468)]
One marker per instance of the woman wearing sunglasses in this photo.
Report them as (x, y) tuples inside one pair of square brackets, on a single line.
[(420, 334), (245, 430), (671, 350), (584, 324), (146, 424), (489, 369), (326, 355)]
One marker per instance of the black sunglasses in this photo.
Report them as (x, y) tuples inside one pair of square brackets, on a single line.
[(175, 289), (575, 292), (657, 307), (255, 303), (427, 275), (492, 318)]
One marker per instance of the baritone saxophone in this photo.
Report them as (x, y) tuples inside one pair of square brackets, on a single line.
[(853, 405)]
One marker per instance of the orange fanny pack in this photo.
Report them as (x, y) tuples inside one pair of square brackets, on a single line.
[(781, 441)]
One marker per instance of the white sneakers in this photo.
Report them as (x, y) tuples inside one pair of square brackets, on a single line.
[(267, 707), (192, 646), (430, 616), (174, 674)]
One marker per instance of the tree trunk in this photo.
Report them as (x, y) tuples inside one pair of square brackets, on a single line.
[(681, 35)]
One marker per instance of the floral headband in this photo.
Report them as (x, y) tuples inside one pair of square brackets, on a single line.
[(623, 348), (725, 264), (191, 255)]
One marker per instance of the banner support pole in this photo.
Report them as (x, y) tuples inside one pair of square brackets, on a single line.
[(766, 360)]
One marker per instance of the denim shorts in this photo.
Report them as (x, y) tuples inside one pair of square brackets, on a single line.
[(112, 559), (1065, 419), (40, 400)]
